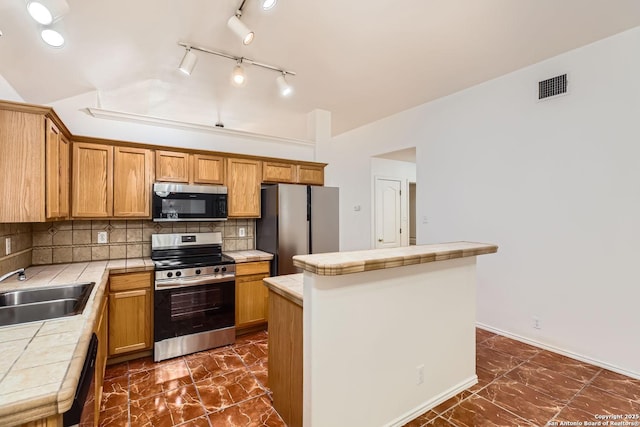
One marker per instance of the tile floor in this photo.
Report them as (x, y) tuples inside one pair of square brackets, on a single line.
[(519, 385)]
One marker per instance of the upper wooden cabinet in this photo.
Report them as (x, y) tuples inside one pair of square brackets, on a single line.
[(311, 174), (34, 165), (172, 166), (278, 172), (132, 170), (207, 169), (243, 182), (111, 181)]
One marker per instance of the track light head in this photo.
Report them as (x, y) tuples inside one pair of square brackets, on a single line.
[(238, 77), (188, 62), (241, 30), (45, 12), (284, 88)]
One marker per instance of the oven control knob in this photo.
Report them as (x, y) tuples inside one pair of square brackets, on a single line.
[(216, 270), (224, 269), (169, 274), (178, 273), (198, 271)]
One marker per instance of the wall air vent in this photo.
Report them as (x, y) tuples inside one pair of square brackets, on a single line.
[(552, 87)]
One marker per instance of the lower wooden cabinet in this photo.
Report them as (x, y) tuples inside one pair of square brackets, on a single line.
[(130, 313), (101, 330), (252, 297)]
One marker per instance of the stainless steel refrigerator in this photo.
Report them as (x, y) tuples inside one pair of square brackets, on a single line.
[(297, 220)]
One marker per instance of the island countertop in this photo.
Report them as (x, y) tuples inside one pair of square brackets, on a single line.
[(41, 361), (339, 263), (288, 286)]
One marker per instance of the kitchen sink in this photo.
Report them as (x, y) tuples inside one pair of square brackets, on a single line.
[(29, 305)]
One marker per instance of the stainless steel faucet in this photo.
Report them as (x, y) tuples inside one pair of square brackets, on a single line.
[(19, 272)]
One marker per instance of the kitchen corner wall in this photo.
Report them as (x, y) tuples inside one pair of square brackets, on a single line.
[(21, 238), (74, 241)]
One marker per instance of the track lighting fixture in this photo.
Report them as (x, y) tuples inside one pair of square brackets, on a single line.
[(285, 88), (241, 30), (188, 62), (45, 12), (238, 76)]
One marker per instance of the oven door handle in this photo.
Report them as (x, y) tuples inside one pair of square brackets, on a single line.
[(179, 283)]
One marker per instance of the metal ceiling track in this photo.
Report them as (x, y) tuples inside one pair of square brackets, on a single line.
[(242, 59)]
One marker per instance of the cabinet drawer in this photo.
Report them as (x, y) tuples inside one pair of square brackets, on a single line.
[(247, 268), (125, 282)]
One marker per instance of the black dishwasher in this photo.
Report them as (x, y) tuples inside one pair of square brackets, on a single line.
[(82, 411)]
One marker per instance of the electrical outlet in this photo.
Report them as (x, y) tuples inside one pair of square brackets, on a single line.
[(536, 323), (7, 244), (103, 237), (242, 232), (420, 374)]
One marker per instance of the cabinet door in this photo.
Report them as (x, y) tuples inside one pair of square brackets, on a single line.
[(172, 166), (64, 153), (207, 169), (278, 172), (132, 182), (310, 174), (243, 182), (101, 330), (52, 170), (130, 313), (252, 296), (92, 180)]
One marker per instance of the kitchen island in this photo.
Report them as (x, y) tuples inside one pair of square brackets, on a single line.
[(388, 333)]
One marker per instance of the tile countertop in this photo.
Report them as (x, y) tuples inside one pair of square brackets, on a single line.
[(41, 362), (249, 256), (339, 263), (288, 286)]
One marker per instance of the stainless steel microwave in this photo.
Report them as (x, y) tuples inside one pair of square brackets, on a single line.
[(182, 202)]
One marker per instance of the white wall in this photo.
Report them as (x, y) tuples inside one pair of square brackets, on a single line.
[(555, 184), (7, 92)]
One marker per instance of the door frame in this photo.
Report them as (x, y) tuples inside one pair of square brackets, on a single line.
[(404, 208)]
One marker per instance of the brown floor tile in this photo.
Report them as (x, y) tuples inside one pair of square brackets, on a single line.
[(482, 334), (422, 419), (484, 378), (516, 397), (593, 400), (477, 411), (449, 403), (253, 353), (184, 404), (569, 367), (617, 384), (256, 412), (116, 416), (438, 422), (546, 381), (228, 389), (167, 376), (251, 338), (118, 370), (143, 364), (115, 392), (150, 412), (198, 422), (572, 415), (209, 365), (514, 348), (261, 372), (494, 361)]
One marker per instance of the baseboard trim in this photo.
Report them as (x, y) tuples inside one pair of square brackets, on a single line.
[(432, 403), (559, 350)]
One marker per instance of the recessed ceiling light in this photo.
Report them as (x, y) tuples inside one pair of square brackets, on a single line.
[(52, 37), (268, 4), (46, 11)]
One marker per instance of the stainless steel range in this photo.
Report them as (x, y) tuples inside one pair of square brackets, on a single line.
[(194, 299)]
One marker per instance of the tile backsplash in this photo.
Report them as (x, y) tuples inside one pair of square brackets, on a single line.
[(21, 242), (73, 241)]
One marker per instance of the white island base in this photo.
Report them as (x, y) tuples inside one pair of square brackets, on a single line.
[(383, 346)]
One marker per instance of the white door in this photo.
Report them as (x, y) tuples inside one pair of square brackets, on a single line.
[(387, 213)]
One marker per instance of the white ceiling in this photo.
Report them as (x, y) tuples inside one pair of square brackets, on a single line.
[(362, 60)]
